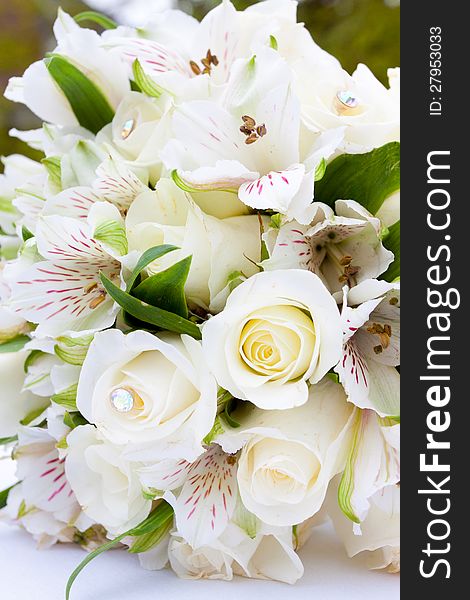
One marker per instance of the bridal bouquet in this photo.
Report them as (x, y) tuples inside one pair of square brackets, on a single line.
[(199, 297)]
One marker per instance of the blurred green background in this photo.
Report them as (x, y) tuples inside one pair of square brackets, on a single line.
[(353, 30)]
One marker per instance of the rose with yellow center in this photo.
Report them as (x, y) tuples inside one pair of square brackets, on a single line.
[(288, 458), (278, 332)]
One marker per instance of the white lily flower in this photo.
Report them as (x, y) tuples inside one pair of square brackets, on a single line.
[(278, 331), (341, 249), (249, 143), (104, 482), (288, 458), (64, 291), (38, 90), (371, 350), (219, 247)]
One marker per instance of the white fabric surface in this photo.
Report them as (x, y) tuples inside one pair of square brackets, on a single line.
[(28, 574)]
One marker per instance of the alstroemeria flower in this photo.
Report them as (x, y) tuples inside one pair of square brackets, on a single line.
[(38, 90), (380, 531), (203, 493), (175, 49), (63, 291), (15, 402), (373, 464), (371, 350), (249, 142), (342, 249), (43, 503)]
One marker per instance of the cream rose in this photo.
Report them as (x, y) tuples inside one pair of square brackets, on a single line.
[(278, 331), (154, 394), (287, 459), (219, 247), (105, 484)]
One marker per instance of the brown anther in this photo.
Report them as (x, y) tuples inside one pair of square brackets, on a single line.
[(342, 279), (393, 301), (350, 271), (384, 340), (206, 62), (388, 329), (346, 260), (194, 67), (98, 300), (251, 139), (378, 349), (261, 130), (231, 460), (249, 122), (245, 130), (215, 60), (90, 287), (206, 71)]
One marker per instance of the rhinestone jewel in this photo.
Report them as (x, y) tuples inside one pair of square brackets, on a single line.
[(346, 103), (127, 128), (122, 399)]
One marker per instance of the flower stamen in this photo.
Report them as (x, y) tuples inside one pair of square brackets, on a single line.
[(251, 130)]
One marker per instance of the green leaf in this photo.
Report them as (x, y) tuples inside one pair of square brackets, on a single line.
[(74, 419), (157, 518), (15, 344), (150, 314), (8, 440), (230, 407), (149, 540), (67, 398), (273, 42), (346, 486), (145, 83), (320, 170), (34, 414), (26, 234), (367, 178), (148, 257), (113, 234), (96, 17), (87, 101), (392, 242), (217, 429), (166, 289), (52, 164), (4, 496)]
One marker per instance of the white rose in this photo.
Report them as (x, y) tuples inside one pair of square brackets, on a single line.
[(154, 394), (15, 404), (219, 247), (267, 555), (288, 458), (105, 484), (278, 331)]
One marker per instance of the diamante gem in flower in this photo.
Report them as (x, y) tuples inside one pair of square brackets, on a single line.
[(127, 128), (346, 102), (123, 399)]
